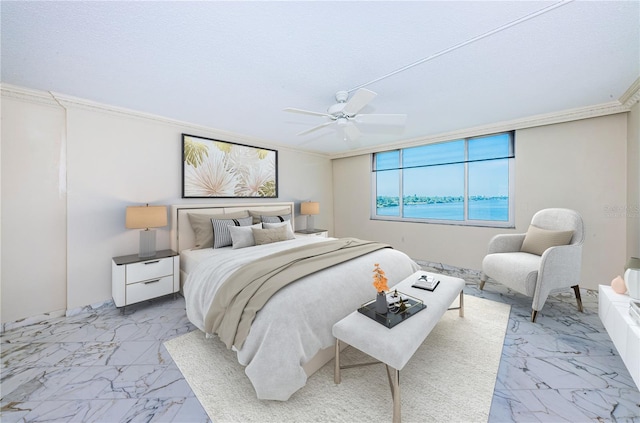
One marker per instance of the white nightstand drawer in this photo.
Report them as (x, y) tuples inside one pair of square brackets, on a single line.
[(151, 269), (150, 289)]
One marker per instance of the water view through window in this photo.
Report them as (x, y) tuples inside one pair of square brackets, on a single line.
[(432, 180)]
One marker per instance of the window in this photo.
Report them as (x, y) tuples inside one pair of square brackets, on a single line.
[(467, 182)]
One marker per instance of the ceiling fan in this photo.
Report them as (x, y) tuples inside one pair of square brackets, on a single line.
[(345, 115)]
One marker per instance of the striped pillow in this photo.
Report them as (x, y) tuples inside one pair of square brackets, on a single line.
[(275, 219), (201, 225), (221, 234)]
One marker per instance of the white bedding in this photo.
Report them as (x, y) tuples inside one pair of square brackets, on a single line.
[(190, 259), (296, 322)]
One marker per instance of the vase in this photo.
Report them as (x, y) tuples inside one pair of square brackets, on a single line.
[(381, 303), (618, 285)]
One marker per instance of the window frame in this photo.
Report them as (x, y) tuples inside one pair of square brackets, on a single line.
[(510, 223)]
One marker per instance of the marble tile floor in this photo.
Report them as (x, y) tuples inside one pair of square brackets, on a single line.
[(563, 368), (103, 366)]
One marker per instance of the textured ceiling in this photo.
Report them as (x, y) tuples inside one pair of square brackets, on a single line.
[(235, 65)]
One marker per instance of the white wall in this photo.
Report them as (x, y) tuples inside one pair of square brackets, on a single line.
[(579, 165), (56, 249), (633, 177), (33, 209), (67, 176)]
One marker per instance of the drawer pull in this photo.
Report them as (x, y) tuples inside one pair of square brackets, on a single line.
[(153, 281), (152, 262)]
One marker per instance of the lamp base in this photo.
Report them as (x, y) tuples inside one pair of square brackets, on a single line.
[(309, 222), (147, 243), (632, 280)]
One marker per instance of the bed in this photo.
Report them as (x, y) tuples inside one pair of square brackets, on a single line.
[(290, 335)]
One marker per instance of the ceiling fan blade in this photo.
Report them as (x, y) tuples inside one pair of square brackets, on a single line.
[(315, 128), (353, 144), (373, 119), (351, 132), (361, 98), (305, 112)]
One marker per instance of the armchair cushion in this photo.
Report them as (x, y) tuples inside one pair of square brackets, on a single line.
[(519, 269), (537, 240)]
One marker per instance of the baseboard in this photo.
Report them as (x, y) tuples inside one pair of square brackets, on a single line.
[(89, 308), (31, 320)]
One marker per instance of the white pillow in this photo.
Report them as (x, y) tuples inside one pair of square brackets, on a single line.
[(290, 234), (241, 236)]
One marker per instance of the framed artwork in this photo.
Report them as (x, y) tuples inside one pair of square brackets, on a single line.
[(214, 168)]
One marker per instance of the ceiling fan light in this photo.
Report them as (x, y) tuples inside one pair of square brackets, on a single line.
[(342, 96)]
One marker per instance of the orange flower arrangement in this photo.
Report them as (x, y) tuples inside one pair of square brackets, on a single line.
[(379, 279)]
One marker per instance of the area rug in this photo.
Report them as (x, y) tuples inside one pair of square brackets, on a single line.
[(450, 378)]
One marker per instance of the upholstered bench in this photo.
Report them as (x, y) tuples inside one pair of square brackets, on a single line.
[(394, 347)]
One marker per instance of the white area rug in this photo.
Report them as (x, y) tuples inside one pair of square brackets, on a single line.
[(450, 378)]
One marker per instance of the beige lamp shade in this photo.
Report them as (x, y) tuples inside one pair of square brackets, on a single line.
[(143, 217), (310, 207)]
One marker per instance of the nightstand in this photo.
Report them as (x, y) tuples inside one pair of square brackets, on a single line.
[(135, 279), (313, 232)]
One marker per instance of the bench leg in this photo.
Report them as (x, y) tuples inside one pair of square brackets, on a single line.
[(394, 383), (460, 307), (336, 369)]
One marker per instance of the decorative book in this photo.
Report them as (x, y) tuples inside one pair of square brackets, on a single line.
[(400, 307), (426, 282)]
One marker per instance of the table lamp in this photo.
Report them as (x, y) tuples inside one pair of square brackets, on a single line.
[(145, 217), (310, 208), (632, 277)]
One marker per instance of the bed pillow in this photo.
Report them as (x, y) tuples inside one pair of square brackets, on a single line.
[(256, 214), (278, 218), (537, 240), (221, 234), (241, 236), (286, 224), (267, 236), (201, 225)]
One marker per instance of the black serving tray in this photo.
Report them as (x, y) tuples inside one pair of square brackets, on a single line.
[(391, 319)]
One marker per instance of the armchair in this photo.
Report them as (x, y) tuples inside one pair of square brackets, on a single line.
[(546, 259)]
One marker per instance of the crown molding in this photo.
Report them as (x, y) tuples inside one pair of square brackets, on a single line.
[(632, 95), (80, 103), (604, 109), (29, 95), (627, 100), (67, 101)]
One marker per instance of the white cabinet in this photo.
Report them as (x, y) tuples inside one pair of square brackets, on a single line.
[(135, 279), (613, 310), (313, 232)]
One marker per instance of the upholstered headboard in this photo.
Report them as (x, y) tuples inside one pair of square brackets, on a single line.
[(182, 235)]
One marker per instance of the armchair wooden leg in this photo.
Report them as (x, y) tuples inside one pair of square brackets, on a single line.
[(534, 314), (483, 280), (576, 289)]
